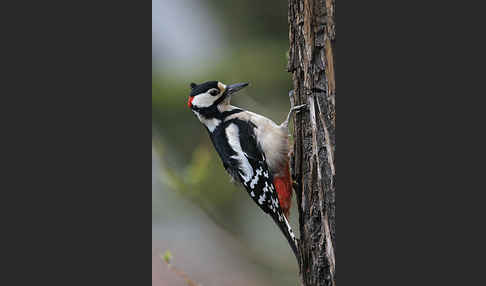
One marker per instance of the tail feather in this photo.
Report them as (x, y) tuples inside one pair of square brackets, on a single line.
[(289, 235)]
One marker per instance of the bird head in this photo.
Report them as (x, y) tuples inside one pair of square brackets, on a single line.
[(211, 94)]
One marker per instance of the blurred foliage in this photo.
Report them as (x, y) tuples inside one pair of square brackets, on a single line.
[(167, 257), (197, 183), (253, 20)]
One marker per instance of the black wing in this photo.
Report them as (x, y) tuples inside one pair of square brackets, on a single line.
[(244, 159)]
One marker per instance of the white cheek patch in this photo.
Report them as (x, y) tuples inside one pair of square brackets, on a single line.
[(204, 100)]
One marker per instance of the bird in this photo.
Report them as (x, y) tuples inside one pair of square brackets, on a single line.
[(253, 149)]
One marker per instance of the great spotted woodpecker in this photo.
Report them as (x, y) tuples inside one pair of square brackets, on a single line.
[(253, 149)]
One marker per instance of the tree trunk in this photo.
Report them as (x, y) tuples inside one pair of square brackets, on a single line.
[(312, 38)]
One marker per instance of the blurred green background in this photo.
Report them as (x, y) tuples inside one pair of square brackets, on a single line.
[(213, 229)]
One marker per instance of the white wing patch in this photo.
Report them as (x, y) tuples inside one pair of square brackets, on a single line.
[(261, 199), (246, 171), (274, 205), (255, 179), (266, 188)]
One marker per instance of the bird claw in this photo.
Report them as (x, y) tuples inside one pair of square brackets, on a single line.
[(299, 108)]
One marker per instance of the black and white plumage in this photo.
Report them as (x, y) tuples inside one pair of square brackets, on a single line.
[(252, 148)]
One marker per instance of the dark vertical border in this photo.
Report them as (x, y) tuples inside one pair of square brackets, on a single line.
[(406, 98), (80, 143)]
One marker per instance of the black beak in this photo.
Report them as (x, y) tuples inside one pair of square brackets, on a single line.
[(234, 88)]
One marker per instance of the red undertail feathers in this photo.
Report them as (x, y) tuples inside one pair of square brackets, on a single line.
[(283, 185)]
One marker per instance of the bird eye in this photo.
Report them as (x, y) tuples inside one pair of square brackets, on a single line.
[(214, 92)]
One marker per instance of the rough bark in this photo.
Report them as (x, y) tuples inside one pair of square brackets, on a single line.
[(312, 38)]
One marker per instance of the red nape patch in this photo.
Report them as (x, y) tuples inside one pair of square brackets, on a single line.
[(283, 185), (189, 101)]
